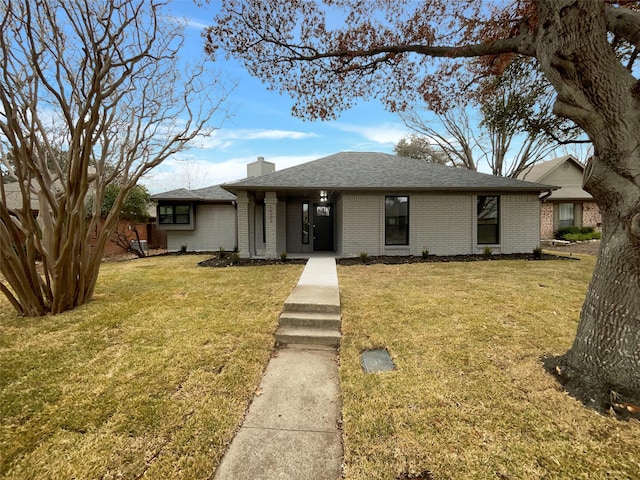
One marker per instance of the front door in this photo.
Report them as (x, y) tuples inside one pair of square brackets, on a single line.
[(323, 227)]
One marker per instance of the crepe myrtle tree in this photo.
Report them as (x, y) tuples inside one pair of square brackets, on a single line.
[(91, 94), (329, 54)]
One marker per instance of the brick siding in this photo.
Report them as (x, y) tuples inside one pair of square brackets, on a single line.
[(215, 228)]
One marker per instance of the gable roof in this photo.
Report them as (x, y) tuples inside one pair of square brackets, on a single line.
[(380, 171), (539, 171), (569, 190), (214, 193)]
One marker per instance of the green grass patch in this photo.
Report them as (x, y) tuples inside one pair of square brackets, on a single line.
[(581, 237), (151, 378), (470, 398)]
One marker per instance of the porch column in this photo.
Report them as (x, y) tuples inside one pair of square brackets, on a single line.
[(242, 201), (271, 224)]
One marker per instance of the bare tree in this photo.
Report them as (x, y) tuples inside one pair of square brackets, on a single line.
[(398, 50), (453, 135), (99, 81), (515, 125)]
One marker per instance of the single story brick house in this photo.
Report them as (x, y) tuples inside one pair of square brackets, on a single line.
[(568, 205), (354, 202)]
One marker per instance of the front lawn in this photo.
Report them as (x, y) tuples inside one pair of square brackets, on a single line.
[(469, 398), (151, 378)]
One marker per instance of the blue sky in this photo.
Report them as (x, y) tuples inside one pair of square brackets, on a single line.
[(262, 125)]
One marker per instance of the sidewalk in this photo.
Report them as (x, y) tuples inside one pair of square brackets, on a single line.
[(291, 430)]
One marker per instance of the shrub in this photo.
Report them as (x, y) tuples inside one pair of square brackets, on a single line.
[(183, 249), (364, 257), (283, 256), (561, 232), (575, 234), (223, 253), (537, 253), (425, 253), (487, 252), (235, 258), (581, 237)]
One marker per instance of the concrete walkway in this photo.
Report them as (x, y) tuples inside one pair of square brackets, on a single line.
[(291, 430)]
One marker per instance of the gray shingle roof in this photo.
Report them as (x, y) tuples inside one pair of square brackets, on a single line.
[(209, 194), (375, 171)]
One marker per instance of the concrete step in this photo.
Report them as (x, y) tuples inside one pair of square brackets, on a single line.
[(307, 336), (313, 299), (311, 319)]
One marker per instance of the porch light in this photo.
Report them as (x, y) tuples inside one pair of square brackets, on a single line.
[(323, 196)]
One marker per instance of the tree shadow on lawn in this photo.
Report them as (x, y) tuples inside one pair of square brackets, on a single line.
[(592, 392)]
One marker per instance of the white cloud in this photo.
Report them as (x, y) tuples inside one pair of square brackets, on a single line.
[(196, 24), (187, 172), (225, 138), (385, 133), (275, 134)]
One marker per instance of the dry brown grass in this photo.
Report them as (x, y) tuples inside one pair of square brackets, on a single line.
[(151, 378), (469, 397)]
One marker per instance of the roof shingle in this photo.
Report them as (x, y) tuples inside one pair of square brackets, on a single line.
[(209, 194), (375, 171)]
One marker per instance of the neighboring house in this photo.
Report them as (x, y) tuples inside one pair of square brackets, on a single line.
[(13, 195), (350, 203), (146, 231), (569, 205), (197, 220)]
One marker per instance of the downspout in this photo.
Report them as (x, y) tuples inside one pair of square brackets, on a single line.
[(235, 205), (546, 195)]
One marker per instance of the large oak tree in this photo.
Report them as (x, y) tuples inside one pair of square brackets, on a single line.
[(91, 95), (329, 54)]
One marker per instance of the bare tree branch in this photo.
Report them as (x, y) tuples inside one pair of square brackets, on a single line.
[(91, 95)]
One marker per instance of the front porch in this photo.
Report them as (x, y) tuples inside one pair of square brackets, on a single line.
[(298, 223)]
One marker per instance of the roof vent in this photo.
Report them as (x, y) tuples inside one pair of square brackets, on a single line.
[(260, 167)]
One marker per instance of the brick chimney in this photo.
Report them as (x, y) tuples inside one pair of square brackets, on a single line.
[(260, 167)]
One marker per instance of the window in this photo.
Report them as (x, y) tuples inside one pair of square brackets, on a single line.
[(488, 220), (174, 214), (565, 215), (323, 210), (396, 220), (305, 223)]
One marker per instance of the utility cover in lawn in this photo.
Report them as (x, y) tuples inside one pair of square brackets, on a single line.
[(376, 361)]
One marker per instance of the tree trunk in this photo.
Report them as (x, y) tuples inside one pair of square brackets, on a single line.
[(602, 97)]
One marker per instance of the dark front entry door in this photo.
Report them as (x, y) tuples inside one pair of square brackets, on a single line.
[(323, 227)]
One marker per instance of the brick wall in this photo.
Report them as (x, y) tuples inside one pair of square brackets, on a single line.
[(271, 225), (519, 223), (546, 220), (362, 218), (215, 228), (281, 237), (442, 223), (591, 216)]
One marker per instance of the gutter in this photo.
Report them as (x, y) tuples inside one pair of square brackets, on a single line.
[(548, 194)]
